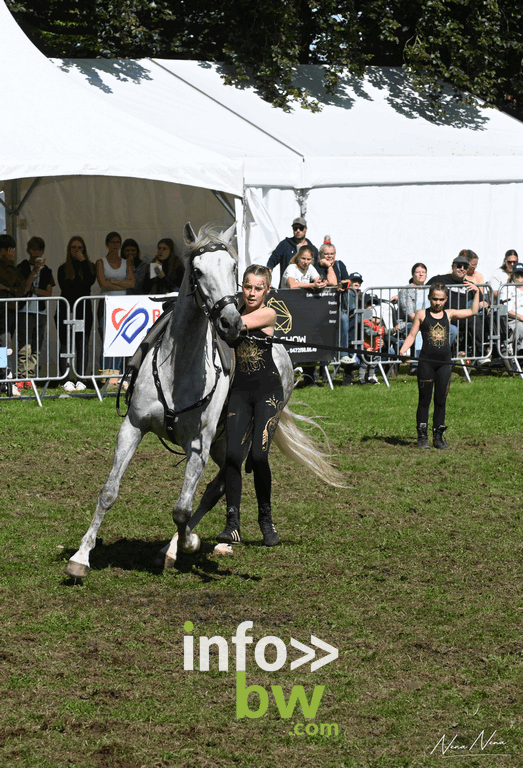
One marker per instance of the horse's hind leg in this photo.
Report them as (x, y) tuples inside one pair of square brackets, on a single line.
[(127, 442)]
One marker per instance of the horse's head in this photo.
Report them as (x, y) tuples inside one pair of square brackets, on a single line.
[(213, 276)]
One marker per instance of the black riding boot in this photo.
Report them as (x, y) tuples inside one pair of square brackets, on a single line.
[(231, 533), (438, 441), (270, 536), (423, 437)]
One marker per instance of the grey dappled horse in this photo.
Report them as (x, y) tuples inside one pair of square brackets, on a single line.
[(187, 373)]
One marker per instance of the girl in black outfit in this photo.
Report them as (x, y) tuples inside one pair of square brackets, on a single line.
[(434, 367), (255, 404), (168, 270), (75, 278)]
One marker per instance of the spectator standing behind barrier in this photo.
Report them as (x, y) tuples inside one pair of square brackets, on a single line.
[(502, 275), (11, 287), (115, 276), (284, 251), (373, 333), (165, 270), (354, 301), (131, 250), (335, 273), (75, 278), (435, 368), (301, 274), (472, 272), (409, 301), (515, 307), (458, 298), (32, 317)]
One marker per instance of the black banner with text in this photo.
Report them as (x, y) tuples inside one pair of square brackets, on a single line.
[(308, 317)]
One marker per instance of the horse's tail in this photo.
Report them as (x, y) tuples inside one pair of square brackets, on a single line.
[(296, 444)]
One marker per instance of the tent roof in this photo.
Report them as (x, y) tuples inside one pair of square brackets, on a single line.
[(54, 127), (375, 130)]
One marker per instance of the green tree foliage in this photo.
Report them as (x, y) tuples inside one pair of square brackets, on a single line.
[(474, 45)]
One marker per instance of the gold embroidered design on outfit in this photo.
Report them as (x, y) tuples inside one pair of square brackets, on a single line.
[(270, 427), (249, 357), (438, 335)]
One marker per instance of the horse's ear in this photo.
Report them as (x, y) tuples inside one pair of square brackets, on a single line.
[(189, 235), (228, 235)]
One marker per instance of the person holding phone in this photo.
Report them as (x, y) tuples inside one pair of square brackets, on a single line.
[(165, 270)]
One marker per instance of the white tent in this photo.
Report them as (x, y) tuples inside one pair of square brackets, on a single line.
[(391, 182), (88, 168)]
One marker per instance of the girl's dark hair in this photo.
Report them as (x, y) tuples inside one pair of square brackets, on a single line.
[(173, 264), (169, 243), (438, 287), (111, 235), (130, 243)]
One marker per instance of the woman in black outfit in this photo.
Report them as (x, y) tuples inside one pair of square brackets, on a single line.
[(434, 367), (75, 278), (255, 404), (167, 270)]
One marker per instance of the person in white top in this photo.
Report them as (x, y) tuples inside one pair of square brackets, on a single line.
[(115, 275), (502, 275), (301, 274)]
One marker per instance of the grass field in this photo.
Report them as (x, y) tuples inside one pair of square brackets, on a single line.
[(413, 572)]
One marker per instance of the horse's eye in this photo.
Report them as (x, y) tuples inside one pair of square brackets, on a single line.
[(197, 273)]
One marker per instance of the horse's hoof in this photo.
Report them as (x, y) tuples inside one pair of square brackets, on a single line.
[(194, 544), (167, 556), (223, 549), (76, 570)]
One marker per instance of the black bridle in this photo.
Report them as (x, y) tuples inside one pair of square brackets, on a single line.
[(211, 312)]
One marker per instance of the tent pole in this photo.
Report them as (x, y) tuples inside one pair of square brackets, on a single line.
[(223, 200), (239, 204), (34, 184), (12, 196)]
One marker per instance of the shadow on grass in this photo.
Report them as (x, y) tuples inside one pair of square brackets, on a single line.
[(388, 440), (140, 555)]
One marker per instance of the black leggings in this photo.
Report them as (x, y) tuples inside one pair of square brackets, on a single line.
[(433, 377), (259, 412)]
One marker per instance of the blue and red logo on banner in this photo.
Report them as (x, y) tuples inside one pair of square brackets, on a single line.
[(128, 318)]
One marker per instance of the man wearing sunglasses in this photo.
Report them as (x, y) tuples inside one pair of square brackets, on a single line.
[(285, 250), (458, 298)]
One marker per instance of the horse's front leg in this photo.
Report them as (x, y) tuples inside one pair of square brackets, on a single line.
[(197, 456), (127, 442)]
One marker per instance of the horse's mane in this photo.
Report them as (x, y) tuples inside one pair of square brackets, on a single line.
[(206, 236)]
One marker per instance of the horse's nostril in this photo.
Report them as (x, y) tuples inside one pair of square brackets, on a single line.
[(225, 323)]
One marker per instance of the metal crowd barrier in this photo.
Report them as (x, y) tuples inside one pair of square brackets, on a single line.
[(42, 342), (510, 328), (29, 347)]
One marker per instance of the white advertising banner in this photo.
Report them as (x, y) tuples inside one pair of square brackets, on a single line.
[(128, 318)]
